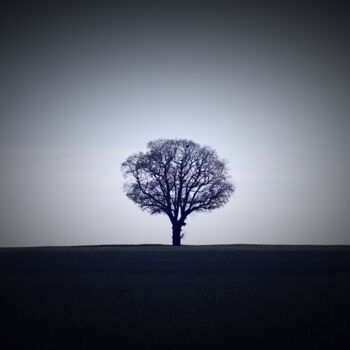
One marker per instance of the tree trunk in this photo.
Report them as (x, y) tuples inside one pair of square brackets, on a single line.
[(177, 234)]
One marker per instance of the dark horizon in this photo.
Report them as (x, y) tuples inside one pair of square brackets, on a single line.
[(236, 246), (174, 297)]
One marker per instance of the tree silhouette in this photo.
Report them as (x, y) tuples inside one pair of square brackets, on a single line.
[(177, 177)]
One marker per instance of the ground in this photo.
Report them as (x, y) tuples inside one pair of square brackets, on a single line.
[(164, 297)]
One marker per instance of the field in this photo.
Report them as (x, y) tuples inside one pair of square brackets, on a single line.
[(163, 297)]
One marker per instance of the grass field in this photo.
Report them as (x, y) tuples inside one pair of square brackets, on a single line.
[(163, 297)]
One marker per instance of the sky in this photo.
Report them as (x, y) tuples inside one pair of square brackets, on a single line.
[(83, 87)]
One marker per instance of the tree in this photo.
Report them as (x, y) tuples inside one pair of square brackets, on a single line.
[(176, 178)]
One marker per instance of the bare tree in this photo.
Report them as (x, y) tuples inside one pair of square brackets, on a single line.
[(177, 177)]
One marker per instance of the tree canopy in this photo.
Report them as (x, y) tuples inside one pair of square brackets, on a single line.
[(177, 177)]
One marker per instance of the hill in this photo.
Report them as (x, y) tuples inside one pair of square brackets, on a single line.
[(200, 297)]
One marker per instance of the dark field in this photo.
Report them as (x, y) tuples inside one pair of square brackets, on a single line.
[(162, 297)]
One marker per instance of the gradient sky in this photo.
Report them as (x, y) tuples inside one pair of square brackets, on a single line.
[(83, 89)]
